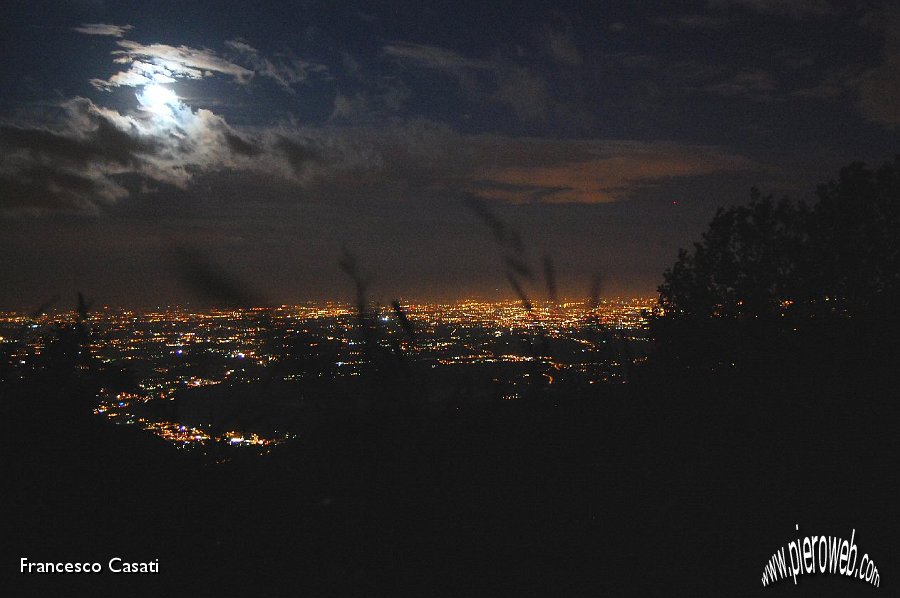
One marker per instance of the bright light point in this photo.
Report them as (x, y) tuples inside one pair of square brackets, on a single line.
[(158, 99)]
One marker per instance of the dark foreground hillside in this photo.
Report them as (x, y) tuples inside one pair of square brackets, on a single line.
[(682, 482)]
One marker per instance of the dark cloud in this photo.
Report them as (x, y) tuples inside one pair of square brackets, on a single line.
[(501, 78), (524, 90), (425, 159), (81, 160), (45, 188), (594, 171), (350, 106), (792, 8), (238, 145), (93, 148), (284, 70), (104, 143), (372, 95), (692, 21), (300, 155), (819, 92), (72, 166), (561, 46), (879, 87), (432, 57), (756, 85)]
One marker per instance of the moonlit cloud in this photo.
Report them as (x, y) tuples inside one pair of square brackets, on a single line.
[(343, 127), (80, 164), (103, 29), (73, 166), (95, 155), (140, 73), (164, 63)]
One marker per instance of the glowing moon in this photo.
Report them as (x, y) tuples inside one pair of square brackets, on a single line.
[(158, 99)]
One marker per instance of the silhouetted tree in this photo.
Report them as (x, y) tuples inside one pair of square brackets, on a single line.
[(840, 256), (855, 238)]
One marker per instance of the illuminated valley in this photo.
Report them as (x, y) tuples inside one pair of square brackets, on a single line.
[(248, 378)]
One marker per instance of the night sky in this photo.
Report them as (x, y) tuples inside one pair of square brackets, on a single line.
[(263, 138)]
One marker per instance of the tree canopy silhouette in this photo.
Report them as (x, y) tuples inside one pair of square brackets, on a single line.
[(838, 257)]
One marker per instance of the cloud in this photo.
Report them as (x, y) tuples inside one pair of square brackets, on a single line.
[(755, 85), (562, 47), (433, 57), (284, 70), (184, 60), (103, 29), (239, 145), (594, 171), (665, 77), (380, 98), (300, 154), (819, 92), (71, 166), (692, 21), (879, 86), (93, 155), (423, 159), (163, 63), (876, 87), (96, 156), (524, 90), (879, 93), (792, 8), (500, 79), (350, 107)]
